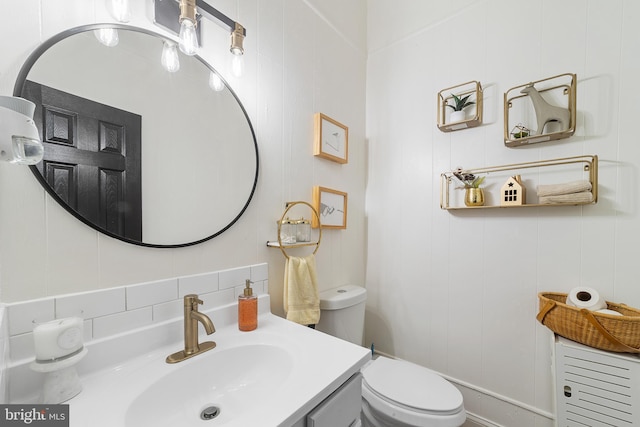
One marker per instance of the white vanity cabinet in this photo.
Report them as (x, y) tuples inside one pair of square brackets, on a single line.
[(340, 409)]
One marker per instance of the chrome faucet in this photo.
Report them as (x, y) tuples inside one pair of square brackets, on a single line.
[(191, 318)]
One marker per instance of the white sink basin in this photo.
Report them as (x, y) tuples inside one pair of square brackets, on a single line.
[(270, 377), (233, 380)]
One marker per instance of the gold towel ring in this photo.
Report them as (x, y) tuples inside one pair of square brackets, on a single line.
[(299, 245)]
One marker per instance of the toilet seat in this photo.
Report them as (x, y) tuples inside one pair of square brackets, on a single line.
[(402, 391)]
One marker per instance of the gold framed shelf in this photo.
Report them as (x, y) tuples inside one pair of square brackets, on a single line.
[(588, 165), (445, 97), (285, 246), (561, 87)]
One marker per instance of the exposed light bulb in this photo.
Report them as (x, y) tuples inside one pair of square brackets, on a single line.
[(169, 59), (120, 10), (107, 36), (188, 37), (215, 82), (237, 65)]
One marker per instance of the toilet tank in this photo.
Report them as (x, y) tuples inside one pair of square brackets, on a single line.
[(342, 312)]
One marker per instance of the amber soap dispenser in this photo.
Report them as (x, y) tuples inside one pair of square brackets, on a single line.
[(247, 309)]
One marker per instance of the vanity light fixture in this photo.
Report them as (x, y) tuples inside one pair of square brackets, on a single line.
[(188, 37), (120, 10), (19, 139), (183, 18), (237, 50), (169, 59)]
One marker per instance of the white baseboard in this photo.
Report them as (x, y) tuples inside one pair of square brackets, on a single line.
[(478, 421), (475, 421)]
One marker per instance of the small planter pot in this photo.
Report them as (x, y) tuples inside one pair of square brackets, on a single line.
[(474, 197), (457, 116)]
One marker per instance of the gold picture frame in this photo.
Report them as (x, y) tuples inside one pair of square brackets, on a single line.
[(331, 139), (331, 206)]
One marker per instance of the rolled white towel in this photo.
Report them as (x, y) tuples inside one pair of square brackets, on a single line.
[(582, 197), (566, 188)]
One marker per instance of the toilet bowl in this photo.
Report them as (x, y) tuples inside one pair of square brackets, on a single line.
[(400, 393), (395, 393)]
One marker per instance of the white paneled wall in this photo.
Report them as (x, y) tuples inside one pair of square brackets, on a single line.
[(457, 292), (301, 57)]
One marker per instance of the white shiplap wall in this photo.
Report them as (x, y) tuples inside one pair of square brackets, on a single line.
[(457, 292)]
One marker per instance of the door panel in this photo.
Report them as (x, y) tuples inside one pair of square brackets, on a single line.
[(92, 158)]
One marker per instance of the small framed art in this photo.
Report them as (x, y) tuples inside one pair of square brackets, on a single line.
[(331, 140), (331, 206)]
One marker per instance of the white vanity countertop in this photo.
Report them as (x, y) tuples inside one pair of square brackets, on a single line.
[(313, 366)]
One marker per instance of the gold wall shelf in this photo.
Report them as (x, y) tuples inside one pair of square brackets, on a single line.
[(285, 246), (560, 86), (445, 97), (587, 163)]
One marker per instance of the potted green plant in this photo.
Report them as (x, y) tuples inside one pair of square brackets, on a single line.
[(474, 194), (459, 104)]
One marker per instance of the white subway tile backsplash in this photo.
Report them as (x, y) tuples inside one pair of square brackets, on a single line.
[(259, 272), (112, 311), (168, 310), (21, 346), (237, 291), (152, 293), (198, 284), (258, 287), (22, 315), (234, 277), (121, 322), (91, 304), (217, 299)]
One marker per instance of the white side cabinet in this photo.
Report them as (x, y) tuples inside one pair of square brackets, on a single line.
[(595, 388)]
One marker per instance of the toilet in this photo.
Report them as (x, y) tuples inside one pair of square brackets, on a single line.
[(395, 393)]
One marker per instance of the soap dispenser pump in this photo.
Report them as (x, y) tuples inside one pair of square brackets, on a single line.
[(247, 309)]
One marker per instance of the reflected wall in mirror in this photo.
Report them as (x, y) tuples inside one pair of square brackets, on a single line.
[(151, 157)]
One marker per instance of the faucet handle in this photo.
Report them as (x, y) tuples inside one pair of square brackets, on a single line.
[(193, 301)]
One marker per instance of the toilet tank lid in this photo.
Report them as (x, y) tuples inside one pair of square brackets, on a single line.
[(342, 297)]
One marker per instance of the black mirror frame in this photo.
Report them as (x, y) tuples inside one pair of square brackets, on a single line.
[(17, 91)]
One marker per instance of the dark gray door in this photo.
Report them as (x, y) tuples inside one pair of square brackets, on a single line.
[(92, 158)]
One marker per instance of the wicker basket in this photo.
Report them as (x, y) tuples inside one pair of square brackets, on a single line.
[(600, 330)]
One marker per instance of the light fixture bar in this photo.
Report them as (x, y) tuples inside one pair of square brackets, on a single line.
[(214, 14), (166, 13)]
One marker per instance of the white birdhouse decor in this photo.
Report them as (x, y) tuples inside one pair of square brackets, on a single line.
[(513, 192)]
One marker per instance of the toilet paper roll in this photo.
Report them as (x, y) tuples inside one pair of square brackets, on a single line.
[(583, 297)]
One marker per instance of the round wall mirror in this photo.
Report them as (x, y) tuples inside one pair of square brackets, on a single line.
[(145, 155)]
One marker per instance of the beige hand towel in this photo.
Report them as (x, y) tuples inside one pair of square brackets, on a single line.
[(301, 301), (582, 197), (566, 188)]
